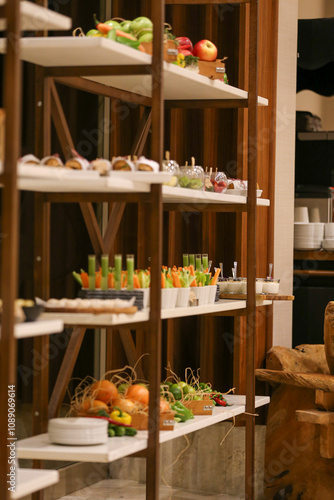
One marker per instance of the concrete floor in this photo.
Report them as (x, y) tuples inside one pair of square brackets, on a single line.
[(115, 489)]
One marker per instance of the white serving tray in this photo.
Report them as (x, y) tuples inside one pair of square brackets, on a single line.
[(37, 18), (137, 176)]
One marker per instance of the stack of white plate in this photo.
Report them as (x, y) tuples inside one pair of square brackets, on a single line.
[(308, 236), (78, 431), (328, 241)]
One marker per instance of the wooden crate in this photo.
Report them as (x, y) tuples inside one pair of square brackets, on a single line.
[(170, 50), (202, 407), (140, 421), (214, 69)]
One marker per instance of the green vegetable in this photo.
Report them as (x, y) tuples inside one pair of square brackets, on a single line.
[(111, 431), (182, 412), (120, 431), (144, 279), (130, 431), (111, 35), (125, 41), (77, 278), (184, 181), (176, 390)]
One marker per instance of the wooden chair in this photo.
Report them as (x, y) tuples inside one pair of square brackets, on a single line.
[(299, 458)]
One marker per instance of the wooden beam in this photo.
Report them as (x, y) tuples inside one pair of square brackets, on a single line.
[(60, 122), (324, 400), (93, 228), (66, 370), (104, 90), (131, 351), (142, 133), (208, 103), (309, 380), (10, 234), (114, 221), (318, 417), (206, 2), (80, 71)]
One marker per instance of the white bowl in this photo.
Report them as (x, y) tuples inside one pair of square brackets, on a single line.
[(202, 294), (212, 289), (329, 230), (182, 299), (328, 244), (78, 431), (234, 286), (271, 287), (168, 298), (301, 214)]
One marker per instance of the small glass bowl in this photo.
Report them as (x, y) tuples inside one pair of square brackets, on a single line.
[(191, 178), (172, 167), (270, 286)]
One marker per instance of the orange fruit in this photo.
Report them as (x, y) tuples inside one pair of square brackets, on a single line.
[(104, 390), (164, 405), (124, 404), (138, 392), (89, 404)]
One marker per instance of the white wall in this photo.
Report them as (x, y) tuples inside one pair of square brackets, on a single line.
[(285, 160)]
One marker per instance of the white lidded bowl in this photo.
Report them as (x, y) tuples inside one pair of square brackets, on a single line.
[(78, 431)]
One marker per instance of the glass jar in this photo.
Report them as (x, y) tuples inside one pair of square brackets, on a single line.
[(191, 177), (172, 167), (270, 286), (219, 182)]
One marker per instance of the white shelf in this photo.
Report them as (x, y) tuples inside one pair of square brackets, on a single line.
[(29, 481), (104, 320), (183, 195), (179, 83), (39, 447), (37, 18), (81, 185), (38, 328)]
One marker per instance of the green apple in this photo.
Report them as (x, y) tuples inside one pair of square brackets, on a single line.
[(125, 26), (146, 38), (140, 23), (93, 33), (114, 24)]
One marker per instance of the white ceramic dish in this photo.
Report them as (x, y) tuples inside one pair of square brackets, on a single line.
[(78, 431), (202, 294), (329, 230)]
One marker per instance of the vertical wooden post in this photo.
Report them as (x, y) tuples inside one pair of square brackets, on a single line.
[(9, 230), (251, 253), (153, 450)]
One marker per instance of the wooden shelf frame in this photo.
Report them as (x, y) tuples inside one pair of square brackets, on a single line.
[(155, 197)]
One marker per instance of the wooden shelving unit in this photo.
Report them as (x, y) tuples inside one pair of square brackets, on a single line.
[(109, 69)]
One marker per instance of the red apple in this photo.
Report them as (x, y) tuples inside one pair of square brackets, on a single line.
[(184, 43), (185, 52), (205, 50)]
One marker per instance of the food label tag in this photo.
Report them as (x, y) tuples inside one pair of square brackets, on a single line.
[(168, 422), (172, 52), (220, 69), (207, 408)]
